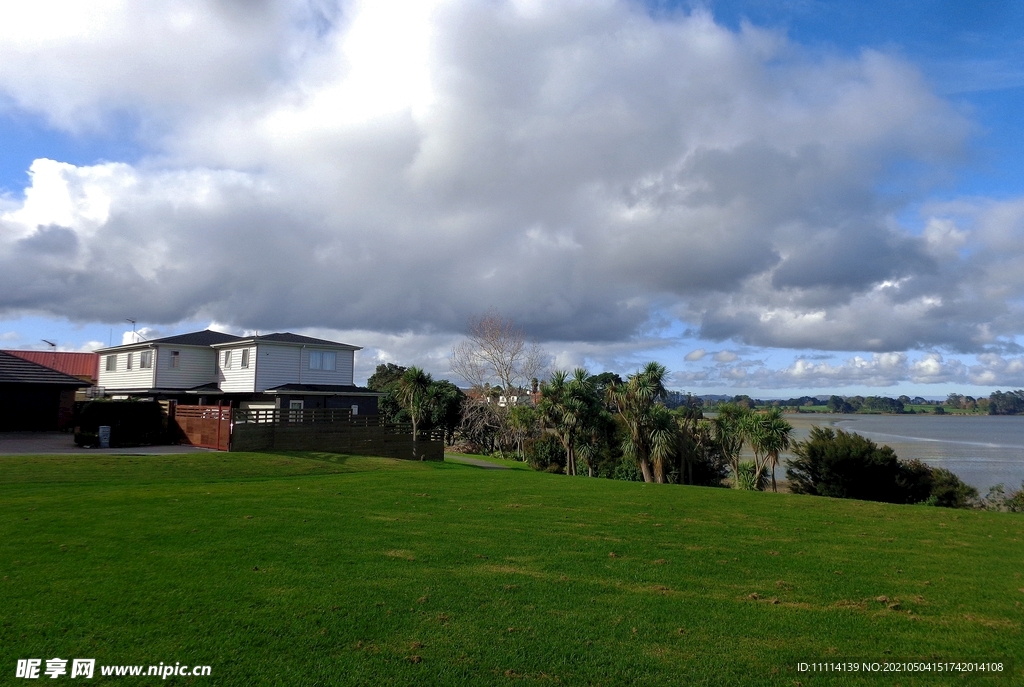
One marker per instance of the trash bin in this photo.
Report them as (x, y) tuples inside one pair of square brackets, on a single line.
[(104, 436)]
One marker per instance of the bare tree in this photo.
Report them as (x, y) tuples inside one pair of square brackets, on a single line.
[(496, 350)]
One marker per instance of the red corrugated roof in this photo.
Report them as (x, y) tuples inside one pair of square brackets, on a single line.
[(82, 365)]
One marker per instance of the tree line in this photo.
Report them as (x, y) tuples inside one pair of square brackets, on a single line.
[(600, 425), (604, 426)]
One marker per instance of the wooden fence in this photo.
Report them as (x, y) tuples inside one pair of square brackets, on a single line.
[(208, 426), (333, 430)]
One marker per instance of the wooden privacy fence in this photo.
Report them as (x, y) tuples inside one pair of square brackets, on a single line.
[(333, 430), (208, 426)]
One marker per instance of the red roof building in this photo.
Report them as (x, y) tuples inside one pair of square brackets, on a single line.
[(85, 366)]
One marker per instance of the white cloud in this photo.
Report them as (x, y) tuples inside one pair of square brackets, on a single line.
[(390, 168), (875, 370), (696, 354)]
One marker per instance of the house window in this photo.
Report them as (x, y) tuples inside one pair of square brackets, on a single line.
[(146, 360), (111, 363), (175, 359), (245, 357), (226, 364), (130, 356), (322, 360), (355, 410)]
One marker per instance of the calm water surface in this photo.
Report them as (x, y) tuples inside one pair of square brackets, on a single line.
[(983, 450)]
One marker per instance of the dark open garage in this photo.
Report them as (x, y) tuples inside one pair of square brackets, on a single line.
[(34, 398)]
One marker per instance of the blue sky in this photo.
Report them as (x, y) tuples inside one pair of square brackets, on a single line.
[(772, 198)]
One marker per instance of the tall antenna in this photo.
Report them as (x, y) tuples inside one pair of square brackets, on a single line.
[(54, 347)]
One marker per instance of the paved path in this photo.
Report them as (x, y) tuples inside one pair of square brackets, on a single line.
[(53, 443), (473, 461)]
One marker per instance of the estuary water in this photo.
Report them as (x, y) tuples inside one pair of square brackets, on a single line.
[(982, 450)]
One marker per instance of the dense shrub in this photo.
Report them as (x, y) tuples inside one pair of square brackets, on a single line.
[(628, 471), (132, 423), (949, 491), (915, 478), (544, 452), (998, 500), (708, 469), (846, 465), (748, 479)]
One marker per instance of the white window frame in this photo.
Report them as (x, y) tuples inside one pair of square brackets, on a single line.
[(245, 359), (296, 405), (146, 360), (128, 365), (175, 359), (226, 361), (112, 363)]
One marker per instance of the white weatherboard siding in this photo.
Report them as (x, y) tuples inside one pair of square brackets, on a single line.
[(235, 378), (281, 364), (276, 365), (196, 366), (122, 377)]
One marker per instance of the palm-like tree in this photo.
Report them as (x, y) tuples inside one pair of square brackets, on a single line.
[(570, 408), (776, 436), (663, 440), (729, 433), (414, 395), (647, 432), (769, 435)]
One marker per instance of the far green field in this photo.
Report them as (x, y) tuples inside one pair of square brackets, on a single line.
[(918, 409), (319, 569)]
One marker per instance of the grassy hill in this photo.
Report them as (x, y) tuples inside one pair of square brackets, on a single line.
[(317, 569)]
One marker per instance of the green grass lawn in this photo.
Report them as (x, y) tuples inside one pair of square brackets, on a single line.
[(318, 569)]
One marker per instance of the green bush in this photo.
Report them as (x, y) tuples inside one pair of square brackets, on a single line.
[(627, 471), (997, 499), (949, 491), (846, 465), (747, 478), (132, 423), (544, 452)]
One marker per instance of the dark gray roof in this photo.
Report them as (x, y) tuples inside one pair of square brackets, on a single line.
[(342, 389), (15, 370), (288, 337), (207, 337)]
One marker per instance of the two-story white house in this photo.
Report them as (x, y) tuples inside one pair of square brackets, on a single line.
[(267, 371)]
